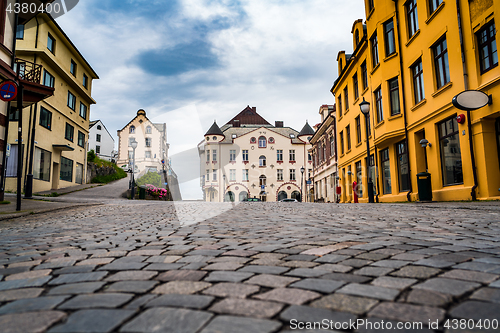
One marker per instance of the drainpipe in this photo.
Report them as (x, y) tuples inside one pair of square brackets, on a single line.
[(466, 87), (408, 195)]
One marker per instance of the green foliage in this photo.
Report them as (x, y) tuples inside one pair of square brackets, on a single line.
[(4, 202), (119, 174), (91, 156), (151, 178), (53, 194)]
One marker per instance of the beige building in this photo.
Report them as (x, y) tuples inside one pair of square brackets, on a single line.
[(55, 130), (249, 157), (324, 153)]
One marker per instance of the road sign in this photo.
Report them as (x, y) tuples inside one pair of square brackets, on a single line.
[(262, 187), (7, 152), (309, 182), (8, 91)]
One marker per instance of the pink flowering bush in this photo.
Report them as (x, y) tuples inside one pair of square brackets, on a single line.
[(156, 192)]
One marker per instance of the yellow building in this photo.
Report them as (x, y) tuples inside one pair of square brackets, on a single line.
[(416, 61), (60, 122)]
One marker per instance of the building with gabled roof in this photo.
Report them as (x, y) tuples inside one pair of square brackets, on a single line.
[(248, 157), (101, 141)]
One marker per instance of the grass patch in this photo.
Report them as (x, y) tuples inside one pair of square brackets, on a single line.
[(4, 202), (119, 174)]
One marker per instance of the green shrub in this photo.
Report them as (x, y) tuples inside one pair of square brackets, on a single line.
[(91, 156), (151, 178), (119, 174)]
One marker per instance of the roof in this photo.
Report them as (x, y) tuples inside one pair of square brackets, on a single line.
[(141, 112), (93, 122), (240, 131), (248, 116), (214, 130), (306, 130)]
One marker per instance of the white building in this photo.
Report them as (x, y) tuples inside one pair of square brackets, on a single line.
[(249, 157), (101, 141)]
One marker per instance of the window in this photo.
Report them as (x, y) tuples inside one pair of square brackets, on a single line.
[(208, 155), (214, 155), (79, 173), (364, 75), (12, 160), (309, 157), (232, 155), (341, 135), (232, 175), (488, 56), (292, 154), (148, 130), (207, 177), (41, 164), (262, 142), (81, 139), (83, 110), (130, 155), (66, 173), (340, 106), (332, 145), (346, 99), (378, 105), (359, 179), (386, 171), (130, 140), (51, 44), (390, 43), (403, 167), (418, 81), (262, 161), (97, 149), (262, 180), (348, 136), (132, 129), (98, 137), (394, 96), (48, 79), (374, 43), (433, 5), (69, 132), (279, 155), (85, 80), (441, 66), (245, 175), (72, 68), (148, 142), (356, 38), (451, 158), (358, 129), (370, 5), (99, 127), (292, 174), (412, 17), (355, 86), (279, 174), (245, 155), (20, 31), (214, 175), (147, 154), (71, 101), (45, 118)]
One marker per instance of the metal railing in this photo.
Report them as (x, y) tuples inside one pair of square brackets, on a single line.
[(28, 71)]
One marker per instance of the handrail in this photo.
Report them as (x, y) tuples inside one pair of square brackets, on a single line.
[(28, 71)]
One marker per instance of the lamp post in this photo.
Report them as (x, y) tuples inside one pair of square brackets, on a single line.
[(302, 183), (133, 144), (365, 109)]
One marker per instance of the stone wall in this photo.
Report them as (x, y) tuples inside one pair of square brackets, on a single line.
[(93, 170)]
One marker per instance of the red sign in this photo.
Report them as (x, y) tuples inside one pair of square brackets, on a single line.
[(8, 91)]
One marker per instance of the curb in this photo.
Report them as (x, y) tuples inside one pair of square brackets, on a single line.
[(42, 211)]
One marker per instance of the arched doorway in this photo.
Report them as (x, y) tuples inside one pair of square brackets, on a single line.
[(229, 196), (296, 195), (243, 195), (212, 194), (263, 196), (282, 195)]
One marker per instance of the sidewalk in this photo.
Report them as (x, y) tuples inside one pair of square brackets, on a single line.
[(67, 190)]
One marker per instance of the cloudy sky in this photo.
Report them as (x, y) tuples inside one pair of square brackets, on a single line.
[(188, 62)]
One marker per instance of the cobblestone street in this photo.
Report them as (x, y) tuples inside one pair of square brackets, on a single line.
[(253, 267)]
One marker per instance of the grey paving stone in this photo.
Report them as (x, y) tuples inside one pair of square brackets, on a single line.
[(300, 257), (225, 276), (96, 301), (132, 275), (75, 278), (357, 263), (76, 288), (332, 258), (163, 267), (345, 303), (271, 281), (15, 294), (181, 287), (223, 266), (247, 307), (123, 266), (477, 266), (392, 282), (417, 272), (320, 285), (434, 263), (33, 322), (306, 272), (168, 320), (289, 296), (181, 301), (373, 271), (194, 266), (428, 297), (495, 284), (137, 287), (337, 268), (16, 284), (487, 294), (231, 324), (447, 286), (372, 256), (476, 310), (89, 321), (212, 253), (346, 277), (32, 304), (407, 312), (182, 275), (191, 259), (14, 270), (264, 269), (391, 263), (473, 276), (73, 270), (234, 290), (300, 313), (369, 291), (140, 301)]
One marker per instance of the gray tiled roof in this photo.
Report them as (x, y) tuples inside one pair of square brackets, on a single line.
[(239, 131)]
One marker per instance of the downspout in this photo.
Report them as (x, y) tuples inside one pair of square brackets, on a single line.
[(37, 28), (466, 87), (408, 195)]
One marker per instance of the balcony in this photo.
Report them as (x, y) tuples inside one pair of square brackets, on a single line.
[(30, 75), (28, 71)]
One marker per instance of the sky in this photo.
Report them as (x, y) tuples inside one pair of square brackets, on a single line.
[(190, 62)]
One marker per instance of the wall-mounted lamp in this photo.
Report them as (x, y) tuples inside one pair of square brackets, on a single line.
[(349, 173), (425, 143)]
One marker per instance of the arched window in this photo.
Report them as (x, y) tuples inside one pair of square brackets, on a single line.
[(356, 37), (243, 195), (262, 142), (229, 197), (296, 195), (282, 195), (148, 130), (262, 180), (132, 129), (262, 161)]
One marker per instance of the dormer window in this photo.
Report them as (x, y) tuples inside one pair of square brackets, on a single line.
[(340, 64), (132, 129), (262, 142), (356, 37), (214, 138), (99, 127), (148, 130)]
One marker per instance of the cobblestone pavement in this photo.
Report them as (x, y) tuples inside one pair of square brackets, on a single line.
[(254, 267)]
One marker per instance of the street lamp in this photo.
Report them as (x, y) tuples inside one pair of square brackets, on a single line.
[(133, 144), (302, 183), (365, 109)]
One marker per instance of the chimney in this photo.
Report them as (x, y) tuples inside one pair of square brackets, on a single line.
[(236, 123), (278, 124), (254, 109)]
